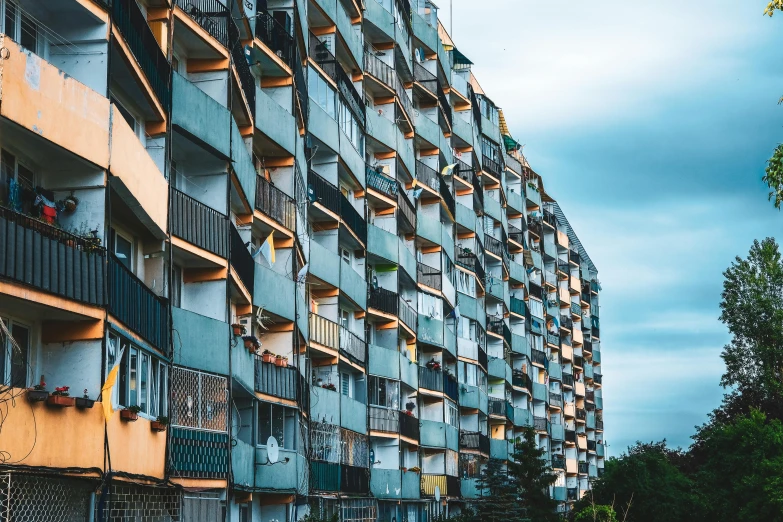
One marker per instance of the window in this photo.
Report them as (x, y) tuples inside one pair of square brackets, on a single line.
[(278, 422), (346, 384), (176, 286), (345, 319), (143, 377), (452, 414), (490, 149), (536, 307), (350, 127), (15, 360), (19, 25), (122, 248), (384, 392), (321, 92), (11, 170)]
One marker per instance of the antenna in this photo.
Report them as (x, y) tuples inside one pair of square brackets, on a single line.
[(272, 450)]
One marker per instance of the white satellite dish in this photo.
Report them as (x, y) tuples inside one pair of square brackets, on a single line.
[(272, 450), (437, 493)]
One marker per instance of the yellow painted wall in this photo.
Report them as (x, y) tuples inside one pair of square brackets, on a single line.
[(562, 238), (578, 337), (130, 162), (35, 434), (567, 352), (41, 98)]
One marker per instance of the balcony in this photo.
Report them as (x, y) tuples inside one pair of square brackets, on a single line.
[(353, 219), (534, 289), (539, 357), (447, 485), (474, 440), (384, 419), (517, 306), (447, 196), (353, 285), (491, 166), (553, 339), (378, 69), (572, 494), (570, 436), (42, 256), (583, 468), (199, 224), (521, 380), (241, 260), (558, 462), (431, 379), (381, 182), (324, 193), (450, 386), (280, 382), (425, 78), (541, 424), (558, 432), (472, 263), (352, 346), (275, 203), (275, 37), (406, 211), (556, 399), (498, 407), (407, 314), (384, 301), (576, 309), (199, 454), (598, 378), (500, 328), (581, 414), (137, 33), (328, 63), (324, 476), (136, 306)]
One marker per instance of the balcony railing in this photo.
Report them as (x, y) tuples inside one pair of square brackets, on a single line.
[(137, 33), (478, 191), (472, 263), (570, 436), (566, 322), (584, 467), (324, 192), (490, 166), (576, 309), (377, 68), (404, 102), (275, 203), (430, 482), (516, 234), (558, 461), (521, 379), (497, 406), (590, 445), (445, 106), (409, 426), (275, 36), (40, 255), (538, 357), (540, 424), (352, 346), (425, 78), (599, 424), (556, 399), (549, 217), (136, 306), (300, 84), (277, 381), (384, 300), (428, 276), (483, 359), (324, 332), (241, 260), (211, 15), (590, 395), (564, 267), (381, 182), (568, 379), (407, 314), (574, 257), (199, 224), (426, 175), (495, 247), (447, 196), (581, 414), (353, 219), (534, 289), (246, 79), (553, 339), (474, 440), (324, 476), (384, 419), (407, 210), (450, 386), (431, 379), (597, 378), (572, 494)]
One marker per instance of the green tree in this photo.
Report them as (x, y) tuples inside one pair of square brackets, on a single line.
[(532, 477), (774, 5), (646, 482), (498, 499), (595, 513), (741, 475)]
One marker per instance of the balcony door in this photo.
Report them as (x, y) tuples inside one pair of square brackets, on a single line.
[(15, 355)]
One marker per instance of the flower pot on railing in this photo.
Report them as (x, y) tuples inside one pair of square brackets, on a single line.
[(159, 424), (239, 329), (281, 362), (130, 414), (60, 401), (268, 357), (83, 403), (37, 395)]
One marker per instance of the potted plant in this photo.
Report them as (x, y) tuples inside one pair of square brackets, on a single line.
[(239, 329), (160, 423), (268, 356), (70, 203), (329, 386), (251, 343), (415, 469), (130, 414), (85, 402), (434, 365), (281, 361), (38, 392), (60, 398), (410, 406)]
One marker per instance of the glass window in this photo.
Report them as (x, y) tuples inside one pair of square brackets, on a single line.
[(142, 378), (144, 359), (452, 414), (20, 356), (29, 33), (384, 393), (278, 422), (122, 248), (10, 19), (133, 374), (321, 92)]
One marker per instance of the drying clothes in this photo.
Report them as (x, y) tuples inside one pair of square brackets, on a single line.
[(14, 200)]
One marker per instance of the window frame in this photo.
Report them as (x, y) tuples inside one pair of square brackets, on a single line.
[(156, 396)]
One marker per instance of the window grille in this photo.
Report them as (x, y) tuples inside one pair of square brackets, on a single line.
[(140, 504), (199, 400), (25, 498)]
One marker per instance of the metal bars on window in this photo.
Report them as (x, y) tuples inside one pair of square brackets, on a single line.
[(199, 400)]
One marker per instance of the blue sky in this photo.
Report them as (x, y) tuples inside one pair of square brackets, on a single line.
[(651, 124)]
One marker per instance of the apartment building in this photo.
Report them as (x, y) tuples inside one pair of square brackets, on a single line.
[(304, 239)]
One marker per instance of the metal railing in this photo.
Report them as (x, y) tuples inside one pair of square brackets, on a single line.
[(407, 314), (384, 300), (553, 339), (538, 357), (300, 84), (353, 219), (590, 395), (211, 15), (404, 100), (409, 426), (490, 166), (246, 79), (581, 414), (329, 64), (450, 386), (324, 332), (472, 263), (241, 260), (275, 203), (38, 254), (377, 68), (497, 406), (276, 380), (199, 224), (430, 379), (516, 234), (324, 192), (576, 309), (425, 78), (354, 480), (445, 106), (352, 346), (521, 379), (584, 467), (137, 307), (541, 424), (383, 419), (381, 182), (275, 36), (534, 289), (429, 276), (590, 445), (517, 306), (426, 175), (556, 399), (137, 33), (407, 210), (474, 440), (558, 461), (483, 359), (568, 379)]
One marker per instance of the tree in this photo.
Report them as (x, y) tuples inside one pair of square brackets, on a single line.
[(532, 477), (646, 479), (595, 513), (773, 174), (774, 5), (498, 499), (741, 475)]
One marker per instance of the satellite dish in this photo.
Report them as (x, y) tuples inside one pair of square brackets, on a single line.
[(437, 493), (272, 450)]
